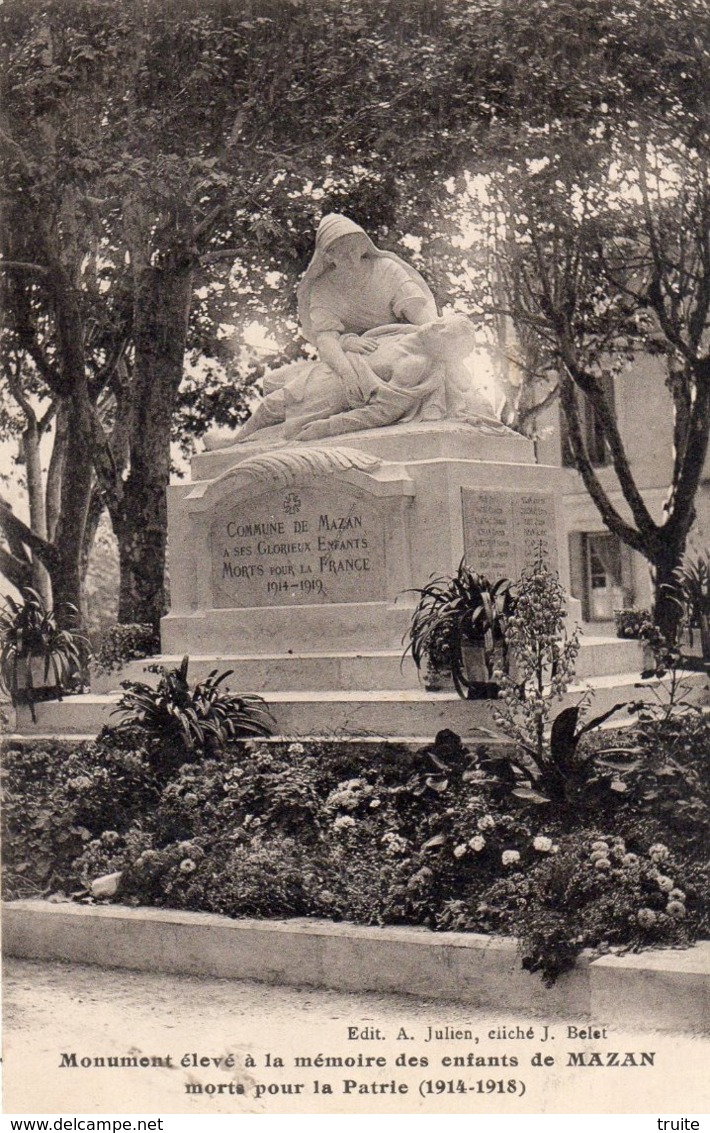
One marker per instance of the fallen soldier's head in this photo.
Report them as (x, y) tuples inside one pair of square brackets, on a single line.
[(451, 337)]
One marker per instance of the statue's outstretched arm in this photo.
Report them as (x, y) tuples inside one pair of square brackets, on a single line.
[(331, 352)]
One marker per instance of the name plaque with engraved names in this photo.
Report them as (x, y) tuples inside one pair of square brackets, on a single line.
[(504, 531)]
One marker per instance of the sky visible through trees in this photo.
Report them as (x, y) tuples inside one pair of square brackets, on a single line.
[(545, 166)]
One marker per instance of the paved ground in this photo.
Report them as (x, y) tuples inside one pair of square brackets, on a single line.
[(53, 1010)]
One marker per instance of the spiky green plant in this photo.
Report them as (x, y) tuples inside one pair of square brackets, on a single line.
[(180, 722), (463, 609), (28, 630), (693, 577)]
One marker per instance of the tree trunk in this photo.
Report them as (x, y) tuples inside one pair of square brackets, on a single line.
[(163, 296), (667, 608), (38, 514), (66, 573), (55, 472)]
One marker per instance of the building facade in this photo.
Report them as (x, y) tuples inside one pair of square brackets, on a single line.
[(605, 573)]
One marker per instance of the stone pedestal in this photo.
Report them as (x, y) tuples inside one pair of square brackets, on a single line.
[(300, 556), (290, 566)]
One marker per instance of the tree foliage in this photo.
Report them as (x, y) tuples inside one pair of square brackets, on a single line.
[(605, 257), (165, 166)]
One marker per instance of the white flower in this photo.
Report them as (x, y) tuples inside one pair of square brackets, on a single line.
[(676, 895), (477, 843), (187, 866), (394, 843), (343, 822), (675, 909), (510, 857), (602, 863), (600, 847), (542, 844), (658, 852), (665, 884), (374, 804), (486, 822), (349, 794), (459, 851), (295, 749), (646, 917)]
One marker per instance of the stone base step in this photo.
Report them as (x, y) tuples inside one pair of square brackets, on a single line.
[(374, 668), (384, 713)]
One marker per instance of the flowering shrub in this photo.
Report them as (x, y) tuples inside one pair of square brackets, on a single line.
[(630, 623), (373, 834), (591, 892), (547, 759), (58, 798), (123, 643)]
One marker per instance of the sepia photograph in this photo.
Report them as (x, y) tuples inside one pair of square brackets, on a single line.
[(355, 560)]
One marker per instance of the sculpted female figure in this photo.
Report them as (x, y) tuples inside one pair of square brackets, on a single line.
[(352, 295)]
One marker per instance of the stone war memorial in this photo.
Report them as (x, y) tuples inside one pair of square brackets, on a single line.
[(320, 854), (355, 641), (296, 547)]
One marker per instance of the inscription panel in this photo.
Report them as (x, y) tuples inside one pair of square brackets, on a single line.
[(299, 546), (504, 530)]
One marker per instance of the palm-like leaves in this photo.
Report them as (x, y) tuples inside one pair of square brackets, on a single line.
[(29, 630), (467, 610), (205, 716), (693, 577)]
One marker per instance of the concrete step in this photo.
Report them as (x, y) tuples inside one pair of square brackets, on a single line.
[(375, 668), (603, 656), (383, 712)]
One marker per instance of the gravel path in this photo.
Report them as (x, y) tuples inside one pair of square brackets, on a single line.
[(53, 1009)]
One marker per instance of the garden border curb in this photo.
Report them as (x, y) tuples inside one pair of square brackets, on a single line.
[(665, 989)]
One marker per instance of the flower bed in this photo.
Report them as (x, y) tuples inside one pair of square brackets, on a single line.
[(375, 834)]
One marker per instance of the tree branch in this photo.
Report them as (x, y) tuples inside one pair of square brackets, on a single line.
[(222, 254), (680, 508), (46, 419), (20, 265), (206, 225), (16, 530), (532, 411), (14, 383), (608, 512), (589, 385), (18, 572)]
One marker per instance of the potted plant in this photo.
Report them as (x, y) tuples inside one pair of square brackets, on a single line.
[(37, 658), (693, 576), (468, 613), (437, 671)]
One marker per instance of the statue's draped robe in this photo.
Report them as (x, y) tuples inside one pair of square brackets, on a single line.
[(311, 391)]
